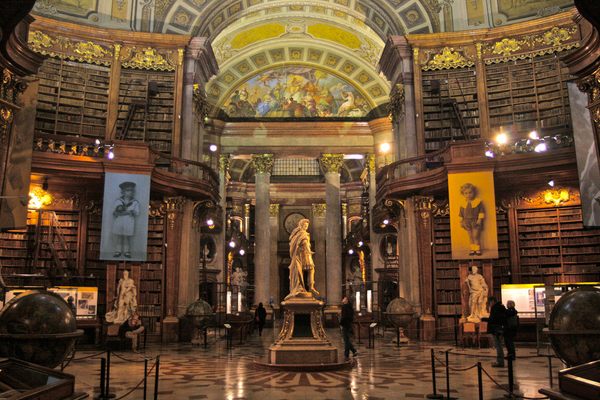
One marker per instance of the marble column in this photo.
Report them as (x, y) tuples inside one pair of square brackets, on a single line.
[(332, 165), (408, 255), (376, 256), (188, 261), (317, 232), (220, 239), (274, 267), (263, 165), (199, 65), (422, 209), (397, 65), (173, 207)]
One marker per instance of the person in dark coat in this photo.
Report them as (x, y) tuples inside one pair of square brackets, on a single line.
[(260, 316), (496, 324), (511, 329), (346, 324)]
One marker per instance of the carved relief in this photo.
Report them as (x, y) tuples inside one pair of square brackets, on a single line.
[(173, 207), (146, 58), (263, 163), (318, 210), (447, 58)]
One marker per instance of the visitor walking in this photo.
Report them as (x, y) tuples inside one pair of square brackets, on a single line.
[(511, 329), (346, 324), (260, 316), (496, 324)]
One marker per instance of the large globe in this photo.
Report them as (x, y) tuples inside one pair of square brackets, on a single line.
[(400, 312), (38, 327), (574, 326), (200, 314)]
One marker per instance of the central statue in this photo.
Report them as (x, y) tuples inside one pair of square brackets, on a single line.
[(301, 256)]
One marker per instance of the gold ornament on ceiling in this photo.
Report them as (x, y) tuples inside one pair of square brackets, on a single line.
[(447, 58), (148, 58)]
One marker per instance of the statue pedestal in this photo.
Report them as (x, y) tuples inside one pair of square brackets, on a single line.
[(302, 343)]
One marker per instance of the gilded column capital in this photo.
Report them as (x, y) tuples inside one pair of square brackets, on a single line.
[(423, 206), (274, 210), (332, 162), (371, 162), (247, 210), (224, 162), (263, 163), (319, 209), (344, 209), (173, 208)]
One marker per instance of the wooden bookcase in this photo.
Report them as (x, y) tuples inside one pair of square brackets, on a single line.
[(72, 98), (441, 124), (447, 271), (555, 247), (529, 94), (155, 125)]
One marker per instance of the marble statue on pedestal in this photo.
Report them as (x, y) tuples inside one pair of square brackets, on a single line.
[(301, 256), (478, 295), (238, 278), (125, 302)]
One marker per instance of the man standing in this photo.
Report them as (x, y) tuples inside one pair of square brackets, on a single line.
[(512, 327), (346, 324), (496, 325)]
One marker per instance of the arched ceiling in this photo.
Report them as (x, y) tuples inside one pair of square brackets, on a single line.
[(265, 54)]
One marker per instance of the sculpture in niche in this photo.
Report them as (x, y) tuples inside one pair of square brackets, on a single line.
[(125, 302), (238, 278), (301, 260), (478, 295)]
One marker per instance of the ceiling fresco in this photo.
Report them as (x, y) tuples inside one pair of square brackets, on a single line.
[(296, 92)]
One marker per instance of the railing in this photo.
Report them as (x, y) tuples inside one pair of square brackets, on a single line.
[(400, 168), (90, 147)]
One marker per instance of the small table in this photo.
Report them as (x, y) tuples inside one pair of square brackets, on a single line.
[(89, 324)]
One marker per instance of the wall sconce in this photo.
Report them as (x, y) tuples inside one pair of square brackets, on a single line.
[(556, 197)]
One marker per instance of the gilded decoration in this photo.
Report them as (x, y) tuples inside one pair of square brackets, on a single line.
[(555, 40), (147, 58), (10, 89), (89, 51), (201, 104), (506, 47), (263, 163), (274, 210), (224, 162), (173, 208), (66, 48), (396, 105), (447, 58), (332, 162), (423, 206), (555, 197), (318, 210)]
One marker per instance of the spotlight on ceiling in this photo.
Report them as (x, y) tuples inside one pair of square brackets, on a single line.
[(213, 147), (350, 251), (534, 135), (540, 148), (385, 147), (353, 157), (232, 244), (502, 138), (551, 183), (242, 252)]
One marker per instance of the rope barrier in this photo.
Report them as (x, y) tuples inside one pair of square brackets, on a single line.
[(86, 357), (138, 385), (129, 360), (516, 396), (455, 369)]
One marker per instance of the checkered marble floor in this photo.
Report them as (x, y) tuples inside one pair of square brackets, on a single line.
[(386, 372)]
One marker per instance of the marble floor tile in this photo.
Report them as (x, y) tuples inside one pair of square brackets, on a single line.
[(386, 372)]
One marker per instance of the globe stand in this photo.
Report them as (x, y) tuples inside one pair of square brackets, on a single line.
[(302, 343)]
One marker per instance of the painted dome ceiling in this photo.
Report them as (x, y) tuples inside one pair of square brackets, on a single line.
[(311, 58)]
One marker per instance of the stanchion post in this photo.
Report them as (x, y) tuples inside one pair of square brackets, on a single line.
[(145, 377), (398, 336), (435, 394), (550, 377), (511, 380), (205, 337), (480, 380), (107, 390), (102, 377), (455, 331), (156, 374), (448, 397)]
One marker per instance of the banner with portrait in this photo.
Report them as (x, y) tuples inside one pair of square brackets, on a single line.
[(125, 217), (473, 230)]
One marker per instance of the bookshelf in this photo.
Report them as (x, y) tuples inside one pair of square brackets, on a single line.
[(72, 98), (555, 247), (529, 94), (152, 272), (155, 125), (441, 125)]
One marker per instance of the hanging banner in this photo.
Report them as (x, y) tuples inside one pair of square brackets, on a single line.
[(125, 217), (586, 149), (473, 230)]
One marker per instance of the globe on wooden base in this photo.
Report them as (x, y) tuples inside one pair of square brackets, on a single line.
[(400, 312), (574, 326), (38, 327)]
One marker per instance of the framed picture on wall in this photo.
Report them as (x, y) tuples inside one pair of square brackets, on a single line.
[(473, 231), (125, 217)]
